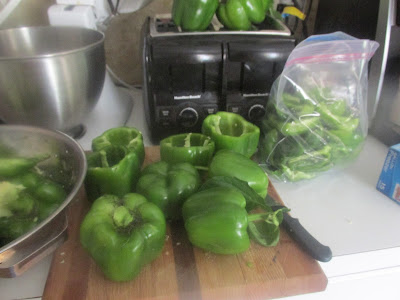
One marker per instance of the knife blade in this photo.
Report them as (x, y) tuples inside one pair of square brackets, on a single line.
[(299, 234)]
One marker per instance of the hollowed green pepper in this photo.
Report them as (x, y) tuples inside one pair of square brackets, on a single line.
[(123, 234), (128, 138), (168, 185), (240, 14), (115, 163), (232, 131), (193, 15), (229, 163), (194, 148)]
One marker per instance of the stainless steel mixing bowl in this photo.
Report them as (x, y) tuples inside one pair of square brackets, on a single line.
[(50, 76), (67, 166)]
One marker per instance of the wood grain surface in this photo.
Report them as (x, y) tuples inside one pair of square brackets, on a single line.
[(183, 271)]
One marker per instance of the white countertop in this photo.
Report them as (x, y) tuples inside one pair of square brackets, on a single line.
[(342, 209)]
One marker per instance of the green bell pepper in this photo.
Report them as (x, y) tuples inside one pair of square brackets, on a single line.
[(128, 138), (168, 185), (123, 234), (240, 14), (216, 218), (232, 131), (115, 163), (194, 148), (229, 163), (193, 15), (111, 171)]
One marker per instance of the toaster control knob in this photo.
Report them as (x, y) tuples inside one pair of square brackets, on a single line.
[(256, 112), (188, 117)]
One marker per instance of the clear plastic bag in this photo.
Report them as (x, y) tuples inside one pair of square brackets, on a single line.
[(317, 111)]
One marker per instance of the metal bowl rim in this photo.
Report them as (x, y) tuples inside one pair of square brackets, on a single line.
[(51, 55), (72, 194)]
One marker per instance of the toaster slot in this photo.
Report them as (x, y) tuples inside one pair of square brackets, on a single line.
[(190, 52), (189, 70), (272, 50), (186, 76), (256, 78), (187, 79), (251, 68)]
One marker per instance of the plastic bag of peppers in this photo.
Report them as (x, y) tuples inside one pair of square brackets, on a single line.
[(316, 115)]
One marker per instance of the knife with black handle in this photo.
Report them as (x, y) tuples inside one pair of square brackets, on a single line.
[(299, 234)]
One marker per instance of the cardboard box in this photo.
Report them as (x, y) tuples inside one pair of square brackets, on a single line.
[(389, 180)]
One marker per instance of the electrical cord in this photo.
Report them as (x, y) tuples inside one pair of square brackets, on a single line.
[(113, 8), (304, 22), (305, 25), (119, 82)]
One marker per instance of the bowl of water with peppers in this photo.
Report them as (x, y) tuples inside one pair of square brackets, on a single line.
[(41, 172)]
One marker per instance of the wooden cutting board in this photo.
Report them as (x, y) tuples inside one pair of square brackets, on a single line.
[(185, 272)]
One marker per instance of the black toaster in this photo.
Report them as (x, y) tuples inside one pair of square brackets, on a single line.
[(189, 75)]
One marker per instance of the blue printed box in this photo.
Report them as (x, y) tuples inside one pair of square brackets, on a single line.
[(389, 180)]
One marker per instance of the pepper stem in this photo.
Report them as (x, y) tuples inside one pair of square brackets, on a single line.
[(256, 217), (122, 217)]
